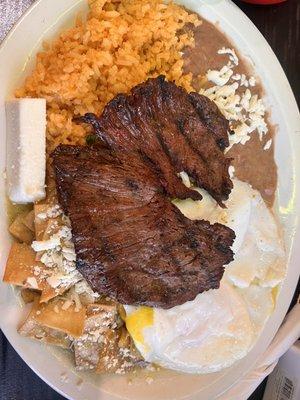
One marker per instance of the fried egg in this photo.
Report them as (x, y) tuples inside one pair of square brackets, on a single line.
[(200, 336), (219, 326)]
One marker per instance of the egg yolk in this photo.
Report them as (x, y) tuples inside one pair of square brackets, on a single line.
[(275, 292), (137, 321)]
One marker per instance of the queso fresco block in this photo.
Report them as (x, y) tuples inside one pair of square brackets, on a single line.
[(26, 149)]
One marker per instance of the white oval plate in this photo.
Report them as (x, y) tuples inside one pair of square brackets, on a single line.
[(45, 19)]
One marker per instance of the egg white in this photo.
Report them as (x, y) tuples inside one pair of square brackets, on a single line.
[(219, 326), (200, 336)]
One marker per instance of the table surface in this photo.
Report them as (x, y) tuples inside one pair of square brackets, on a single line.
[(280, 25)]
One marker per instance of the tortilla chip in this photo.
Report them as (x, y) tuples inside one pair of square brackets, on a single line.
[(21, 270), (105, 313), (126, 342), (118, 353), (29, 221), (48, 292), (109, 355), (124, 338), (41, 225), (33, 329), (20, 265), (87, 348), (20, 231), (86, 354), (53, 315), (29, 295)]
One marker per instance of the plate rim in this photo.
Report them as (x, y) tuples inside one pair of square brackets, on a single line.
[(284, 82)]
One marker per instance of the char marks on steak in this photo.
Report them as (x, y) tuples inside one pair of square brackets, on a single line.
[(174, 131), (131, 242)]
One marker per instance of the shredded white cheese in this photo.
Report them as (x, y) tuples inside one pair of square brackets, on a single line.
[(244, 110), (268, 144), (220, 77), (233, 59)]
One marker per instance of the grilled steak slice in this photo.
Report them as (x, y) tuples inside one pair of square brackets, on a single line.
[(212, 118), (174, 130), (153, 154), (131, 242)]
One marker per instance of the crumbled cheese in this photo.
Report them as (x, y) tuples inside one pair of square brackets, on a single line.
[(232, 56), (243, 80), (82, 287), (31, 280), (42, 216), (125, 352), (54, 280), (120, 371), (268, 144), (60, 258), (65, 233), (97, 335), (59, 255), (220, 77), (236, 77), (51, 212), (75, 298), (67, 304), (226, 99), (149, 380), (245, 111), (36, 270), (68, 253), (43, 245), (252, 81)]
